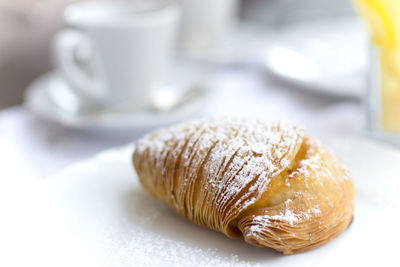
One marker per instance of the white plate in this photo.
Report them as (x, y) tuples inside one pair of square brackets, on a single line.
[(96, 214), (323, 56), (46, 95)]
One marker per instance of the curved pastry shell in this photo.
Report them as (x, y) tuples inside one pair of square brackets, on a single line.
[(250, 178)]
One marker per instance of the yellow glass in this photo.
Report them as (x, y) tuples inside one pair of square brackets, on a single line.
[(383, 19)]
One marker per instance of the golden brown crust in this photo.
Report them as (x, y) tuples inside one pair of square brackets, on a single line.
[(312, 207), (249, 178)]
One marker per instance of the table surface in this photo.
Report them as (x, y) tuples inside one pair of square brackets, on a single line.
[(33, 149)]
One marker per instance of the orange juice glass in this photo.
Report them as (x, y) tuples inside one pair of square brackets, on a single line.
[(383, 19)]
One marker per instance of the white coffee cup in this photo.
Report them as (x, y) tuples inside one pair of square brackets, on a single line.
[(116, 52), (206, 23)]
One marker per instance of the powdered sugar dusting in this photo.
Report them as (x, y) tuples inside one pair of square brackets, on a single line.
[(142, 248), (313, 164), (230, 154), (260, 223)]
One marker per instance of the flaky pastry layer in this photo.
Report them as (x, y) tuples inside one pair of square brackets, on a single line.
[(260, 180)]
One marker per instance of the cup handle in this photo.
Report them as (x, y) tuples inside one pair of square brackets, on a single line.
[(73, 57)]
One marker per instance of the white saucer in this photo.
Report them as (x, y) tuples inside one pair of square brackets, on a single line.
[(322, 56), (40, 99), (95, 213)]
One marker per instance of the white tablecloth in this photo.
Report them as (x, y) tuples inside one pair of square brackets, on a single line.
[(32, 149)]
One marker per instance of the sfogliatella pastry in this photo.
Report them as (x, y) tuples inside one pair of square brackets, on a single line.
[(260, 180)]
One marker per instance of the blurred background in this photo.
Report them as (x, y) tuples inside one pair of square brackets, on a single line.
[(27, 28), (302, 61)]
